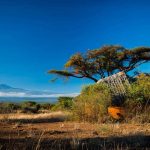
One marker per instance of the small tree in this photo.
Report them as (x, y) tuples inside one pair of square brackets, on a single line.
[(102, 62), (64, 103)]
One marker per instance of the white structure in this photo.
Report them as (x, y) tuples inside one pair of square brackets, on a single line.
[(116, 83)]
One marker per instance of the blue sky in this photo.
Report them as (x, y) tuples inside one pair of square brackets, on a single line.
[(38, 35)]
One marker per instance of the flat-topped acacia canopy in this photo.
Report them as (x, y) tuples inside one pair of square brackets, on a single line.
[(102, 62)]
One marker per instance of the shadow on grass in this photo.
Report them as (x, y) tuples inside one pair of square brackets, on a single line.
[(141, 142), (42, 120)]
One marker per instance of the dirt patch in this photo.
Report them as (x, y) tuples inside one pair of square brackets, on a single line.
[(18, 134), (73, 135)]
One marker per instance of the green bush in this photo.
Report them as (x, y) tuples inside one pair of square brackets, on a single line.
[(30, 107), (138, 98), (64, 103), (28, 104), (46, 106), (138, 93), (91, 105)]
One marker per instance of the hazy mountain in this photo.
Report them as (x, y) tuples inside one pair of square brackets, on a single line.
[(7, 88), (4, 86)]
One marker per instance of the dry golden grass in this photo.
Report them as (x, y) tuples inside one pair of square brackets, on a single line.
[(123, 129), (22, 116), (46, 131)]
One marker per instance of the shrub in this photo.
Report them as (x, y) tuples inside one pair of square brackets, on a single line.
[(138, 93), (46, 106), (64, 103), (91, 105), (28, 104), (138, 98), (140, 89), (30, 107), (8, 107)]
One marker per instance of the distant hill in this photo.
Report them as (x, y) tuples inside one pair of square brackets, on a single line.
[(4, 86), (7, 88)]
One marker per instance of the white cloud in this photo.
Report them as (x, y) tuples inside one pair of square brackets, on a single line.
[(12, 94), (23, 94)]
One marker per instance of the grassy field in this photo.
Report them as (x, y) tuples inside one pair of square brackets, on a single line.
[(93, 120), (51, 131)]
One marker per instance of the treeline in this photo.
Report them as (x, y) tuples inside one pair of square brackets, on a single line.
[(63, 103)]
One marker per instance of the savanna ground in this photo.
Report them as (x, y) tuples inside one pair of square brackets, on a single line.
[(51, 131), (84, 122)]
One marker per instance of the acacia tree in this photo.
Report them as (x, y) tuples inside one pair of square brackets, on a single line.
[(102, 62)]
